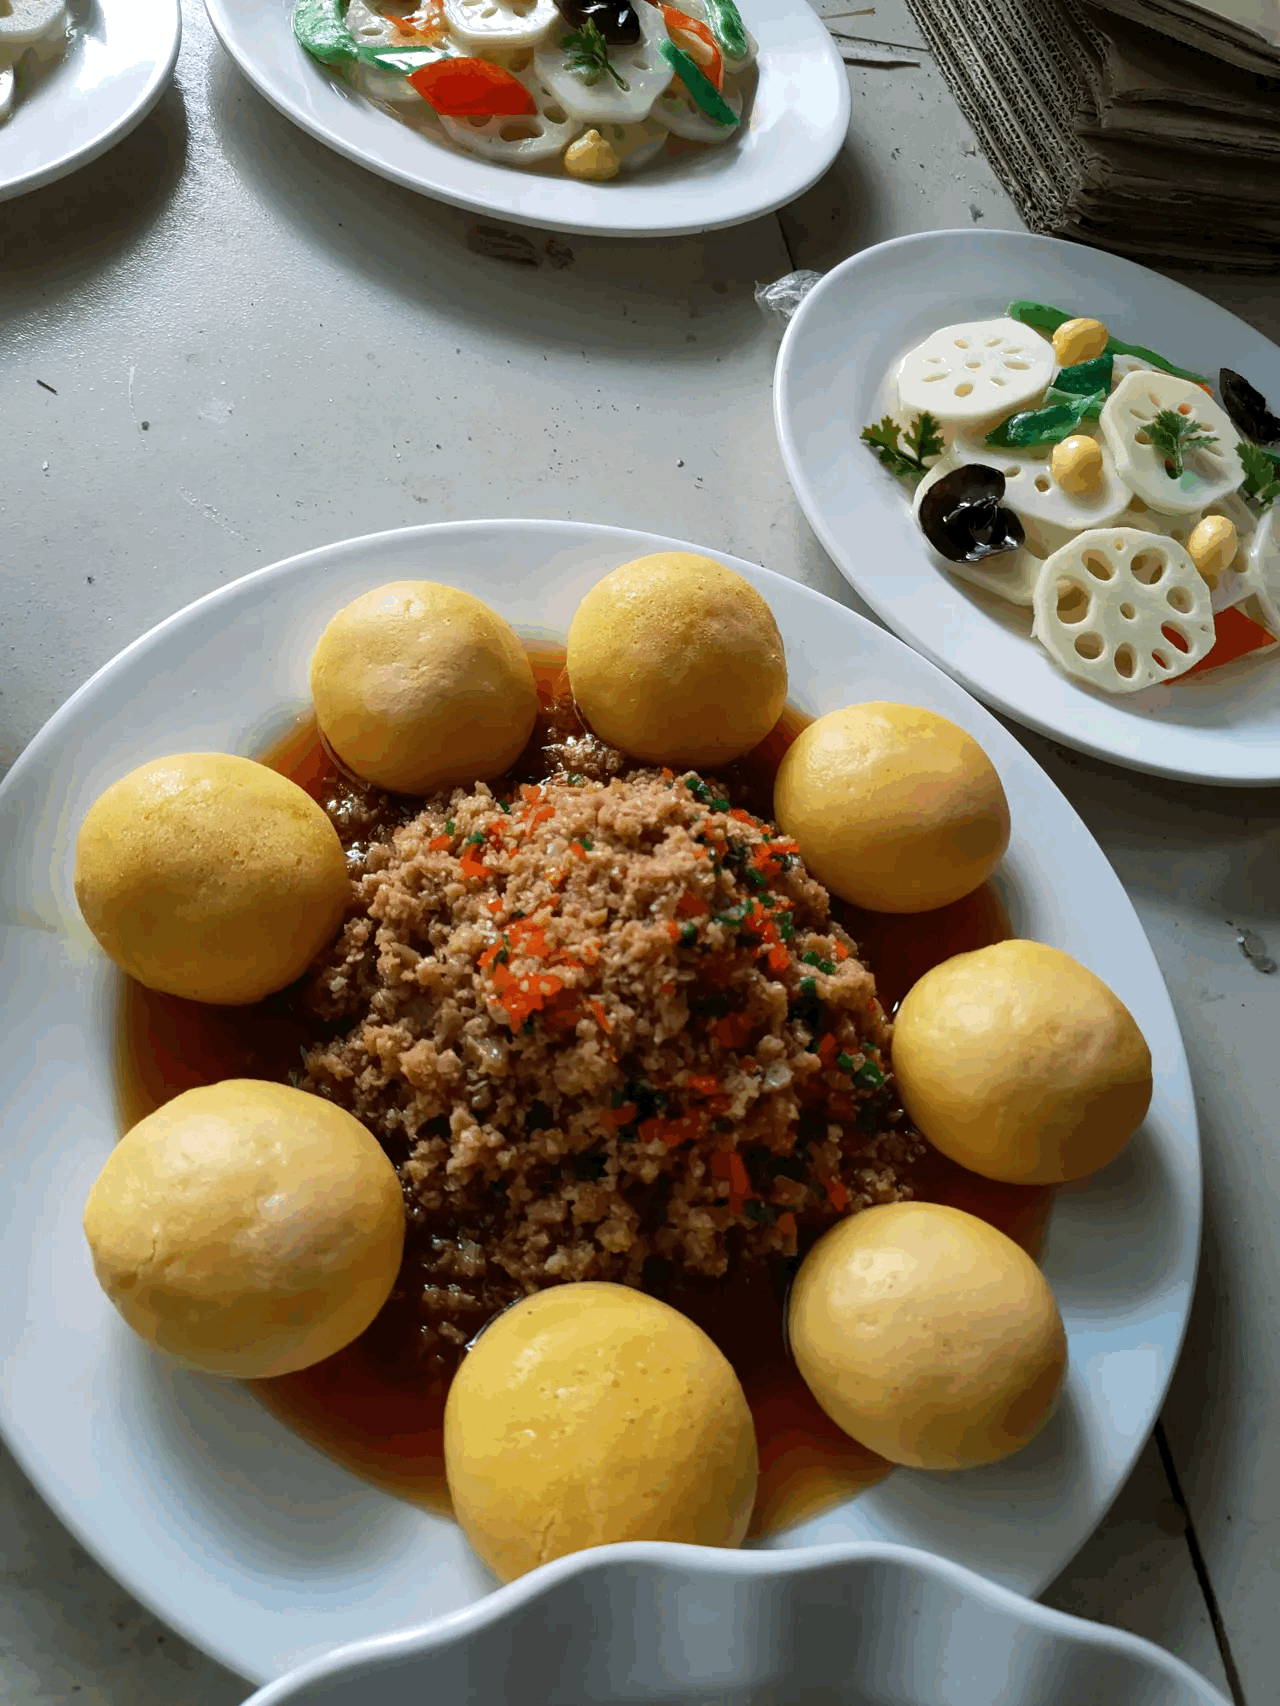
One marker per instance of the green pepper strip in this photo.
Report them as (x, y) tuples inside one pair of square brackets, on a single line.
[(319, 27), (404, 59), (702, 90), (1046, 319), (725, 22), (1058, 419)]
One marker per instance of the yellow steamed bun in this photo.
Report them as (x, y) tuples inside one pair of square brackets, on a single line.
[(247, 1228), (894, 808), (590, 1414), (677, 660), (419, 687), (1021, 1065), (211, 877), (927, 1335)]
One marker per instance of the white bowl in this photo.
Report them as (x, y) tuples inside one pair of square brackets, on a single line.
[(839, 1626)]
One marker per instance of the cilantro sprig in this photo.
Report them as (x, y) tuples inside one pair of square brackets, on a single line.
[(1175, 434), (587, 55), (903, 453), (1261, 473)]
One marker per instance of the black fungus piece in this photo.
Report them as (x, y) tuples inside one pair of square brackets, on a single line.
[(617, 20), (962, 516), (1248, 408)]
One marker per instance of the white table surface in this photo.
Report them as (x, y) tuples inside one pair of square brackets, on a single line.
[(257, 347)]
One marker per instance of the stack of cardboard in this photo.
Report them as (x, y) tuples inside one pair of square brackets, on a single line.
[(1150, 127)]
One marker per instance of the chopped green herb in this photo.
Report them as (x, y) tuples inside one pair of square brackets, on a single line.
[(1261, 473), (697, 787), (845, 1062), (869, 1075), (902, 453), (756, 880), (1175, 434), (787, 926), (809, 986), (506, 806), (449, 827), (586, 843), (825, 966), (587, 55), (689, 935), (475, 840), (719, 805)]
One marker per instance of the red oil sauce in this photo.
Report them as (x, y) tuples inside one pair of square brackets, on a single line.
[(367, 1406)]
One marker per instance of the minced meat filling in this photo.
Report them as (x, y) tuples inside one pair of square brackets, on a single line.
[(598, 1024)]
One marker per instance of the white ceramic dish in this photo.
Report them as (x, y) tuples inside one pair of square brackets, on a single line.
[(862, 1626), (116, 66), (797, 123), (258, 1548), (847, 335)]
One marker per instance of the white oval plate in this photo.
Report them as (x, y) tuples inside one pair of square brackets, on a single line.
[(116, 66), (254, 1545), (797, 122), (849, 332)]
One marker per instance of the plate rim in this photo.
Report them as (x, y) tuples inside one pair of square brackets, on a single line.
[(506, 207), (1190, 1194), (132, 116), (987, 692)]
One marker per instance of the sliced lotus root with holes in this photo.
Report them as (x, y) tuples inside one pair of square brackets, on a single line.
[(486, 24), (1261, 571), (1210, 471), (1123, 609), (1232, 587), (1033, 494), (520, 137), (976, 371)]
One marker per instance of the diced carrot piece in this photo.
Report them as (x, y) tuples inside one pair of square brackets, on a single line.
[(619, 1116), (691, 905), (704, 1084), (438, 843), (837, 1195), (602, 1018), (786, 1224), (827, 1049), (779, 959)]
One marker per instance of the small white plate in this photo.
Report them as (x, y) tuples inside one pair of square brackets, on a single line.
[(116, 66), (796, 124), (211, 1511), (847, 335)]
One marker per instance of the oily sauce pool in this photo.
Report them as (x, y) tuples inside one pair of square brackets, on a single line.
[(370, 1406)]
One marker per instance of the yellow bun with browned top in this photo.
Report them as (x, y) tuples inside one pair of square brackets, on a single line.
[(247, 1228), (1020, 1064), (927, 1335), (894, 807), (209, 876), (677, 660), (419, 686), (591, 1413)]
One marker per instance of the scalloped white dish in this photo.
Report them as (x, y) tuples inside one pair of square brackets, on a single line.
[(1222, 727), (211, 1511), (797, 121), (863, 1625), (117, 64)]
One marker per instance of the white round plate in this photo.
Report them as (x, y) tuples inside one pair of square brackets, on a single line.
[(847, 336), (797, 122), (116, 66), (212, 1512)]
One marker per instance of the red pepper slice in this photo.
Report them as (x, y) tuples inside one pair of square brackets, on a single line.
[(713, 71), (472, 88)]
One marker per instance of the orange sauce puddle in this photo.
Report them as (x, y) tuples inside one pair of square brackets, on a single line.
[(385, 1421)]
